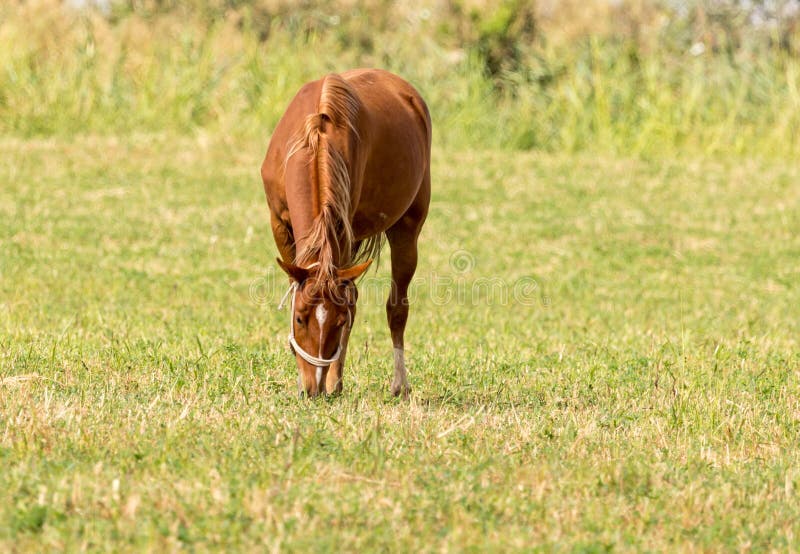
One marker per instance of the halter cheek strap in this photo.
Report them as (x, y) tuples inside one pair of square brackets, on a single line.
[(310, 358)]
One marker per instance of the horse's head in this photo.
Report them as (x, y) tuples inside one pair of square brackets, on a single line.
[(322, 312)]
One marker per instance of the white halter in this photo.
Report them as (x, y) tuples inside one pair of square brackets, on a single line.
[(310, 358)]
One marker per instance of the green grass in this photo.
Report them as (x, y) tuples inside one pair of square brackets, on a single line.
[(643, 396)]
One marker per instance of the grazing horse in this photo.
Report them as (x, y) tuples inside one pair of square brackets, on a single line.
[(348, 163)]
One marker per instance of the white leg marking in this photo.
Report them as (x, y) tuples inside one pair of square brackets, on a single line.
[(399, 360), (400, 382)]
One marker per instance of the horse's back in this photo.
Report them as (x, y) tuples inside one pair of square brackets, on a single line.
[(397, 137)]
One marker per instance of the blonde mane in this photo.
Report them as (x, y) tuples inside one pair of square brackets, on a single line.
[(339, 106)]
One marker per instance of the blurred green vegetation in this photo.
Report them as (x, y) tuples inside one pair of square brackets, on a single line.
[(634, 77)]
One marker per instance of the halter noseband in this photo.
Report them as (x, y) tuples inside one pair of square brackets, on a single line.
[(295, 346)]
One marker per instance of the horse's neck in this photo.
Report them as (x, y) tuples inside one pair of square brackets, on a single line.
[(316, 209), (302, 218)]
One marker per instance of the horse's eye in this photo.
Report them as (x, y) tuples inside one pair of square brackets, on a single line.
[(299, 320)]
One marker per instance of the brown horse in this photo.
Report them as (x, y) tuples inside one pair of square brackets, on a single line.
[(348, 162)]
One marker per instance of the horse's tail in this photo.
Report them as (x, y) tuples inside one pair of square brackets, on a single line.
[(338, 106)]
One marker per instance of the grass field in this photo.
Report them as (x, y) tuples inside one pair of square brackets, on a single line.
[(630, 378)]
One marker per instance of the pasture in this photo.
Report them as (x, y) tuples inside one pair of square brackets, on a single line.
[(603, 354)]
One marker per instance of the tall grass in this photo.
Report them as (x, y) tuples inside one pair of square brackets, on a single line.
[(66, 72)]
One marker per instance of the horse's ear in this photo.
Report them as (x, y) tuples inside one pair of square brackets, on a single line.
[(296, 272), (352, 273)]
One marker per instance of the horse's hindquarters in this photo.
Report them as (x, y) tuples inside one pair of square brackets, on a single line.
[(396, 148)]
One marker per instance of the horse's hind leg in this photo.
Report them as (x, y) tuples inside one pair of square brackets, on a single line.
[(402, 237)]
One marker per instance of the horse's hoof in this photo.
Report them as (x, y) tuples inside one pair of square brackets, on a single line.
[(398, 389)]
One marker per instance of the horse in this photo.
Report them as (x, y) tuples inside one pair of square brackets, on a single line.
[(347, 165)]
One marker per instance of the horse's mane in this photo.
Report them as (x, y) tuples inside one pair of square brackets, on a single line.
[(339, 106)]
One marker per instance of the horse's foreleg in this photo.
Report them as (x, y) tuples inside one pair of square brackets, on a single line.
[(335, 377), (283, 238), (286, 248)]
